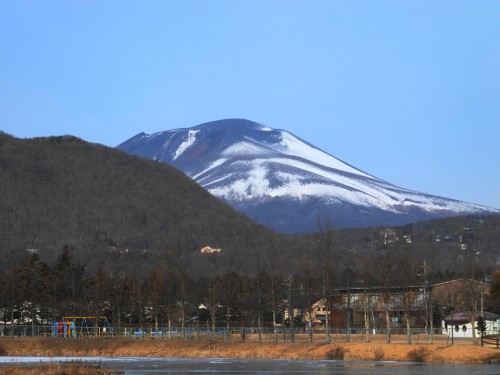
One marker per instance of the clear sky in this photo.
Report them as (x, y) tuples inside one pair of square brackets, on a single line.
[(408, 91)]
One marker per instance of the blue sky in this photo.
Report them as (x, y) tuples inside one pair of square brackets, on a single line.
[(408, 91)]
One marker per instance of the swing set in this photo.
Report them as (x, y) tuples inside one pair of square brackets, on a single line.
[(78, 326)]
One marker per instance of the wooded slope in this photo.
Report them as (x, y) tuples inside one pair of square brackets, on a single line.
[(62, 191)]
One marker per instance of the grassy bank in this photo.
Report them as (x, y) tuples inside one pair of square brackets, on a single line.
[(436, 353), (54, 369)]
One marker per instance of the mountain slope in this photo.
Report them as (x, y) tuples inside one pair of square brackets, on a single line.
[(286, 183), (61, 191)]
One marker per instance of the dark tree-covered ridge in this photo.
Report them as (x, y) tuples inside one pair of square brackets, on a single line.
[(61, 191)]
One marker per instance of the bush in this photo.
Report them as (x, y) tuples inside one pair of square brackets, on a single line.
[(336, 353), (418, 355), (378, 354)]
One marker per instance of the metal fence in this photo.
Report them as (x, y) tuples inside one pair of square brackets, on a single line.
[(250, 334)]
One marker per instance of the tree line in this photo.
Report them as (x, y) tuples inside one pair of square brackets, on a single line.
[(194, 289)]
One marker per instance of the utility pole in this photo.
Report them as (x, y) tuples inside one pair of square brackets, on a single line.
[(290, 307), (426, 299)]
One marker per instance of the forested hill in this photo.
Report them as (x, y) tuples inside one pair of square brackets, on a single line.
[(99, 201), (123, 213)]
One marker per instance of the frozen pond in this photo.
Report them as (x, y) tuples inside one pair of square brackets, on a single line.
[(152, 366)]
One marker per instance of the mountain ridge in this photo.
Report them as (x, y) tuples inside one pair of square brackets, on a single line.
[(61, 190), (286, 183)]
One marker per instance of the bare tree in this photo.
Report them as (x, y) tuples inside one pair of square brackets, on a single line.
[(384, 266), (324, 240), (155, 289)]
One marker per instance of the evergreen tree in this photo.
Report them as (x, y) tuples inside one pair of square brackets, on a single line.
[(68, 284), (481, 326)]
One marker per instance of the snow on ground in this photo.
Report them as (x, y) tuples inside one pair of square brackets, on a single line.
[(265, 128), (211, 166), (299, 170), (191, 138), (244, 148), (335, 187), (255, 185), (295, 147)]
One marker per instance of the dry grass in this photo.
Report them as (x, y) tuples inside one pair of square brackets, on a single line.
[(418, 354), (336, 353), (439, 353), (54, 370)]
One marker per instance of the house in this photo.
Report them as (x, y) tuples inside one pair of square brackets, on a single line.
[(318, 314), (389, 236), (209, 250), (459, 325), (367, 306), (459, 295)]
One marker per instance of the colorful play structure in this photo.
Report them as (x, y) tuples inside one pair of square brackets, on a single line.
[(79, 326)]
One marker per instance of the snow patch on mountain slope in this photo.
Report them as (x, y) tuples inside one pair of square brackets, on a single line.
[(264, 128), (243, 189), (191, 138), (357, 193), (243, 148), (255, 185), (294, 185), (211, 166), (330, 175), (362, 192), (290, 145)]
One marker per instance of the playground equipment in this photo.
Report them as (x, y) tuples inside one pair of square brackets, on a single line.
[(73, 326)]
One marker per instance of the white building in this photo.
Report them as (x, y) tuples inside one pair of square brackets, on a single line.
[(459, 326)]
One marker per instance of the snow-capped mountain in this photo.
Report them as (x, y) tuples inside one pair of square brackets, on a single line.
[(281, 181)]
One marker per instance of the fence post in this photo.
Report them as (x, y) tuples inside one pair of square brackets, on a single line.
[(497, 342)]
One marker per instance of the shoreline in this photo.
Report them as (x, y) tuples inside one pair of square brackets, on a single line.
[(463, 353)]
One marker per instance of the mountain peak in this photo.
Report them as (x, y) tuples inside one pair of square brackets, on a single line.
[(231, 124), (285, 182)]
